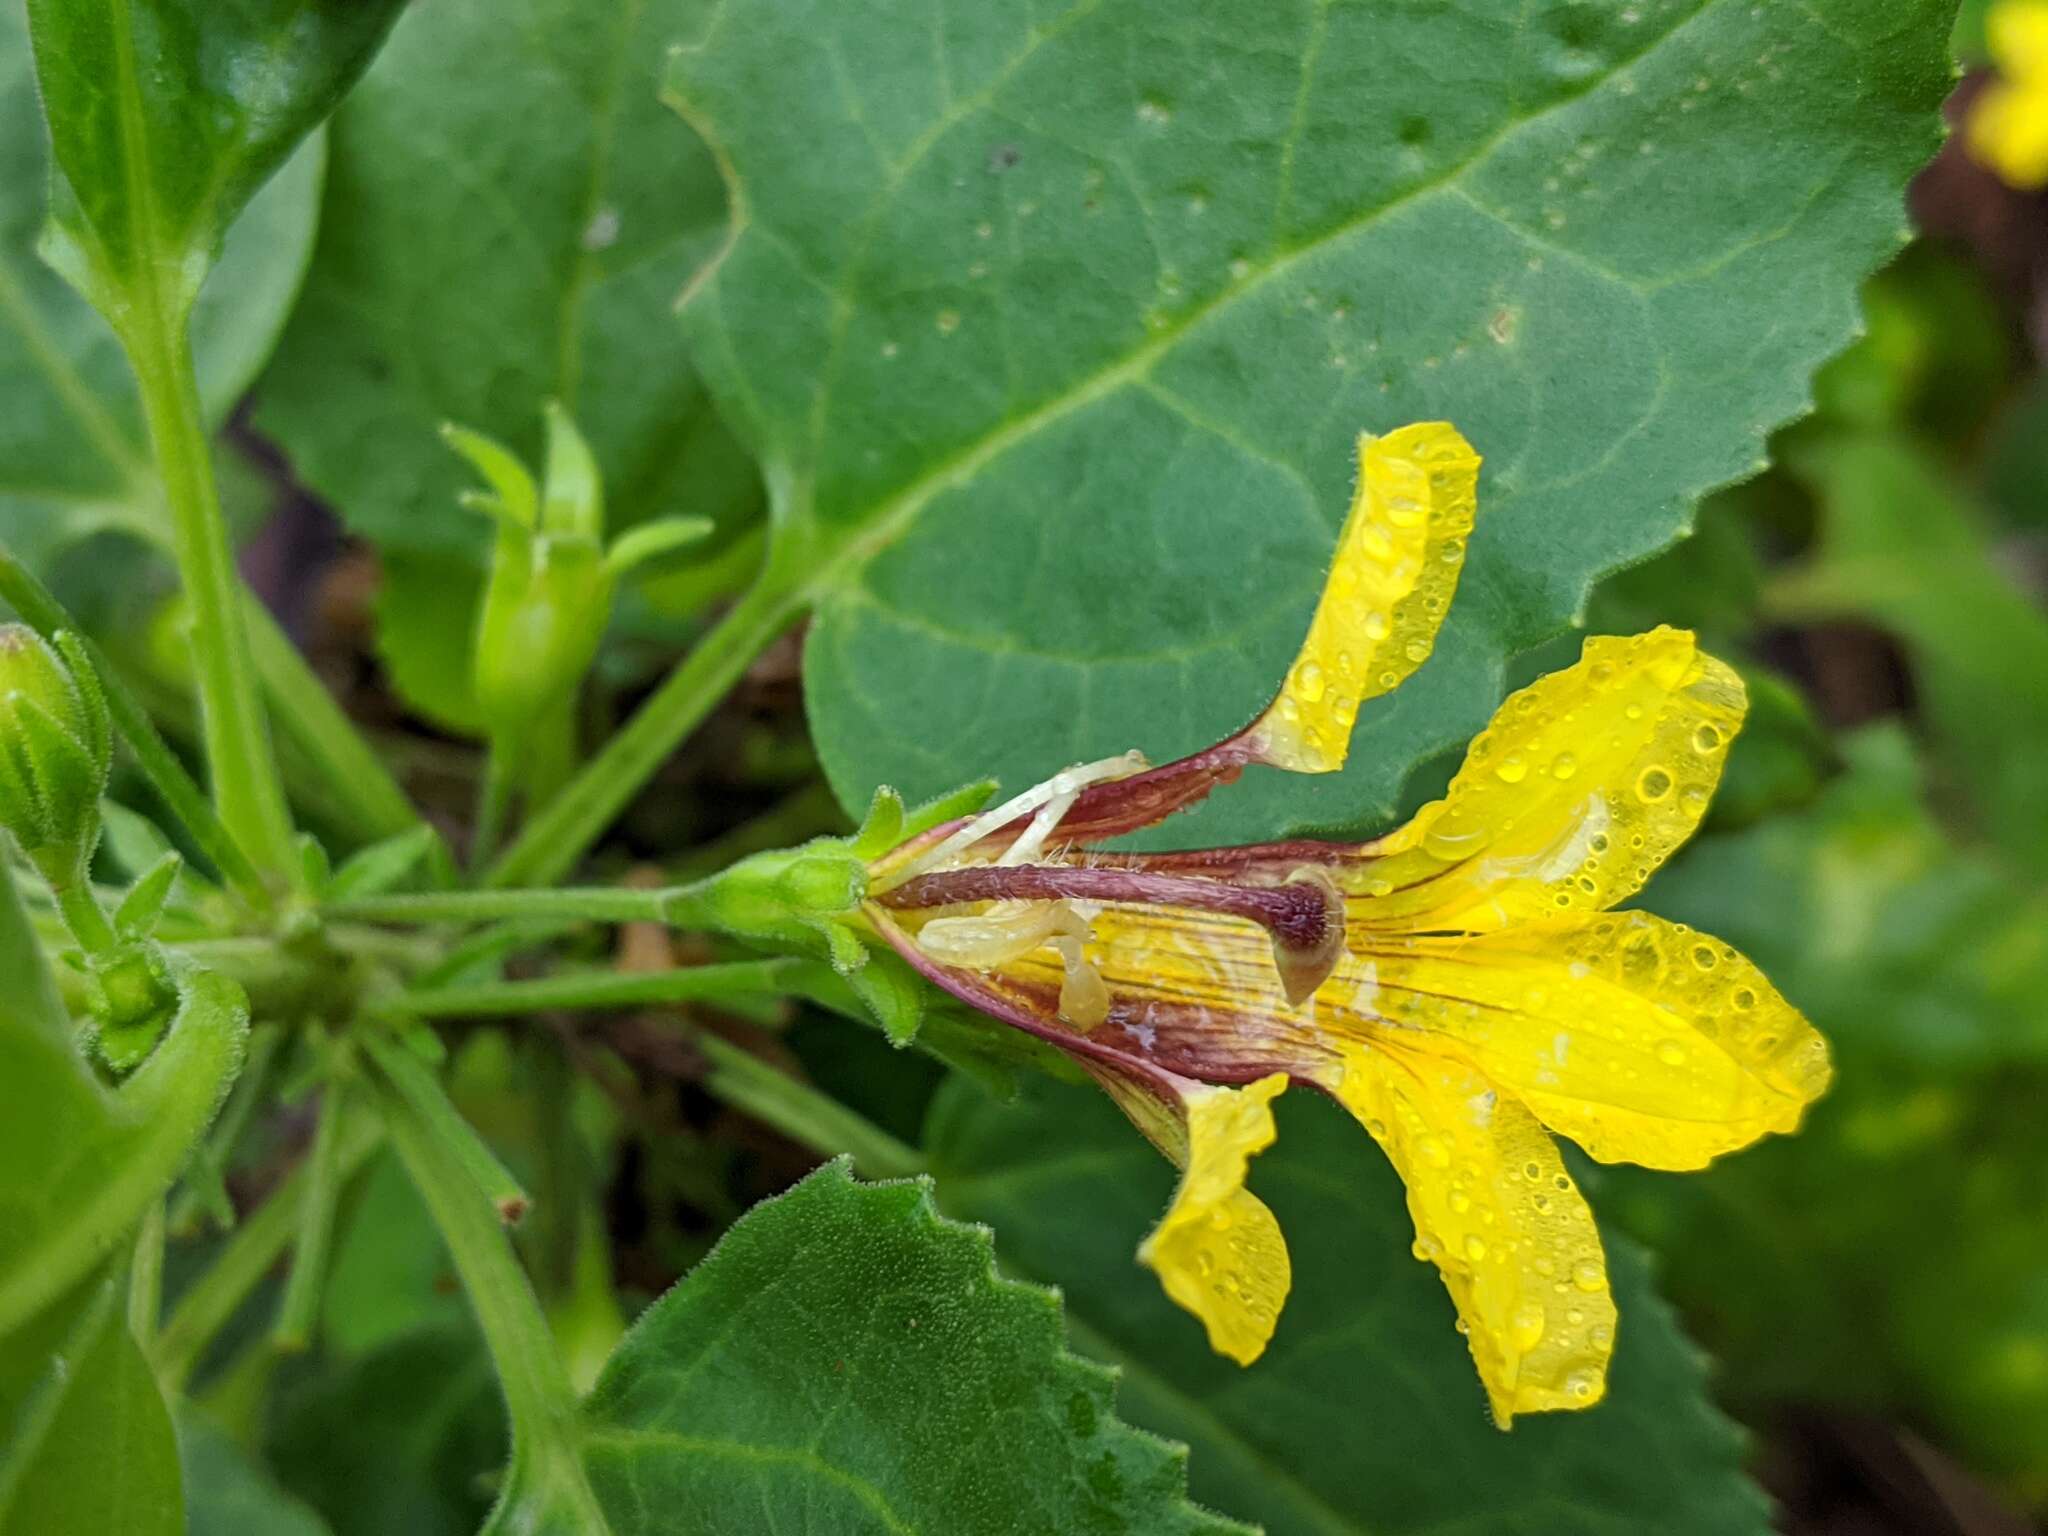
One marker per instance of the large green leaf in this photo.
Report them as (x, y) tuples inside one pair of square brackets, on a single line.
[(847, 1360), (1893, 1256), (1053, 326), (227, 1493), (404, 1438), (1364, 1415), (509, 216), (86, 1444), (73, 458), (165, 116)]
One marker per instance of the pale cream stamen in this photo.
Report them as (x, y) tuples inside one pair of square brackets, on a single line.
[(1066, 784)]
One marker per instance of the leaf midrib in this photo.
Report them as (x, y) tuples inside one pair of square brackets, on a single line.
[(891, 517)]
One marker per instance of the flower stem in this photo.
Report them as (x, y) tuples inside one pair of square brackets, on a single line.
[(412, 1082), (210, 1301), (83, 916), (546, 1473), (247, 789), (594, 904), (349, 767), (554, 840), (300, 1308), (803, 1114), (146, 1276), (601, 989)]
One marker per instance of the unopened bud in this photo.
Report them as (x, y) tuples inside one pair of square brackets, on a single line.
[(56, 746)]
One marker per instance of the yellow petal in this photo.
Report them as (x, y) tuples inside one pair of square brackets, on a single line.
[(1391, 581), (1581, 786), (1642, 1040), (2008, 131), (1503, 1222), (2017, 34), (1218, 1252)]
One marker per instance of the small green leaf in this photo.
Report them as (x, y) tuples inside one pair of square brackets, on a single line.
[(165, 116), (383, 866), (1363, 1415), (848, 1360), (86, 1444), (136, 917)]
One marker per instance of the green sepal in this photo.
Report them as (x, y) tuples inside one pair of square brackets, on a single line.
[(136, 917), (849, 955), (882, 828), (950, 806), (655, 541), (314, 861), (516, 497), (894, 993), (572, 498), (90, 699), (67, 783)]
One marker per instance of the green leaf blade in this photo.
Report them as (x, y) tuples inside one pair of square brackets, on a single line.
[(166, 116), (848, 1358), (1086, 315)]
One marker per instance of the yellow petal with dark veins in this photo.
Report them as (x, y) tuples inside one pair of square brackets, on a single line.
[(1642, 1040), (1502, 1221), (1397, 564), (1584, 782), (1218, 1251)]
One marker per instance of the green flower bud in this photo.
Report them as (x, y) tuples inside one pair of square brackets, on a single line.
[(56, 746), (552, 577), (550, 591)]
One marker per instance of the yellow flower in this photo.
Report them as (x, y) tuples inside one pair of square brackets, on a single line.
[(2008, 128), (1459, 986)]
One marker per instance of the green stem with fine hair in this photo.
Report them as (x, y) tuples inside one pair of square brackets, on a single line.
[(354, 776), (247, 788), (259, 1241), (546, 1486), (593, 904), (602, 989)]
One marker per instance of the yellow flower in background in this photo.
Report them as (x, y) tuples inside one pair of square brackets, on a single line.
[(1460, 986), (2008, 128)]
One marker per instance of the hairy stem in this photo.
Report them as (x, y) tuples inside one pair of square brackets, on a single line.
[(354, 776), (247, 788), (411, 1081), (546, 1474), (594, 904), (210, 1301), (300, 1309), (553, 841), (602, 989)]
